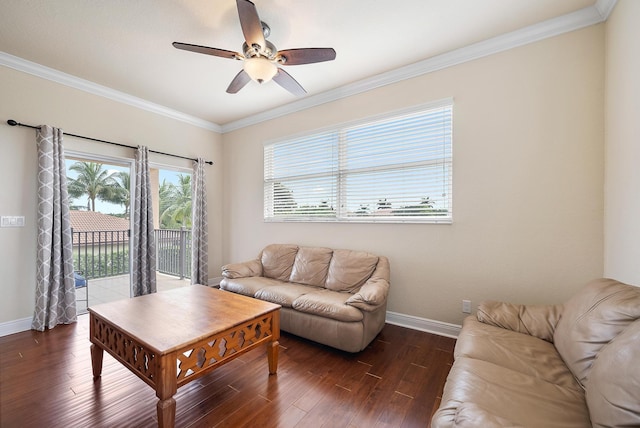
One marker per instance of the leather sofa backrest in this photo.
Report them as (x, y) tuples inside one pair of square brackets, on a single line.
[(591, 319), (311, 266), (348, 270), (277, 261), (613, 391), (337, 270)]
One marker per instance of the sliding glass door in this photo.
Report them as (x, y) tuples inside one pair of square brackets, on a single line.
[(100, 209)]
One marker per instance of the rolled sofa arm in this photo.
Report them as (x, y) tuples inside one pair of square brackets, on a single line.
[(243, 269), (374, 292), (535, 320)]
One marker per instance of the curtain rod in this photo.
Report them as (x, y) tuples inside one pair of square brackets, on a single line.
[(12, 122)]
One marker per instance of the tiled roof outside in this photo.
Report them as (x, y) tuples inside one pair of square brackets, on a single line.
[(98, 228), (82, 221)]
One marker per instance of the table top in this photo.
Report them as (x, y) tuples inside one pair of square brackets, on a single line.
[(170, 320)]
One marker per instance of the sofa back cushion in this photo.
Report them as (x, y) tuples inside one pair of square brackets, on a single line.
[(277, 261), (591, 319), (348, 270), (311, 266), (613, 391)]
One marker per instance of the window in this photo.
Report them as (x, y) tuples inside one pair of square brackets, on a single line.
[(392, 169), (100, 190)]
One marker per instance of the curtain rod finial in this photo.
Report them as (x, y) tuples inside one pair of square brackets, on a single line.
[(12, 122)]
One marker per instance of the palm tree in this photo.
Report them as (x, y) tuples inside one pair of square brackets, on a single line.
[(121, 190), (92, 181), (164, 196), (176, 208)]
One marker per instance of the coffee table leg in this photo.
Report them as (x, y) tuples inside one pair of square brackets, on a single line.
[(166, 386), (272, 356), (272, 347), (166, 413), (96, 360)]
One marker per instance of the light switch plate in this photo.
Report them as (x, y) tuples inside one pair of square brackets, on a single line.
[(12, 221)]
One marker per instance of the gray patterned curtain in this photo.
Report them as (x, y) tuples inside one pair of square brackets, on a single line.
[(199, 228), (55, 291), (144, 250)]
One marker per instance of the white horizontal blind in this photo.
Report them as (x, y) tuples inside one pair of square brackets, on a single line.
[(397, 169), (300, 178)]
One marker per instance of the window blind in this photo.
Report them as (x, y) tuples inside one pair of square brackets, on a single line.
[(393, 169)]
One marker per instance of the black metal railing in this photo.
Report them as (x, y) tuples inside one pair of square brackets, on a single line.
[(101, 254), (173, 252), (98, 254)]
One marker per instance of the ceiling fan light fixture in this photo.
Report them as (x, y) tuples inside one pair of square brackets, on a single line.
[(260, 69)]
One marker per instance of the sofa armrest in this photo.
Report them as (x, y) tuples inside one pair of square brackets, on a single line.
[(243, 269), (535, 320), (374, 292)]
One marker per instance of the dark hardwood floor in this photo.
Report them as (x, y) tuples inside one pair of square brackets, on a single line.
[(46, 381)]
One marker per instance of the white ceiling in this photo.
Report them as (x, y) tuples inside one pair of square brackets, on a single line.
[(126, 46)]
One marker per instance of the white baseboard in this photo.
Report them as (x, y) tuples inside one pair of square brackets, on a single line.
[(408, 321), (15, 326), (424, 324)]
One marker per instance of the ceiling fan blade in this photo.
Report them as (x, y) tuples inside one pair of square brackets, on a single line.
[(207, 50), (285, 80), (238, 82), (307, 55), (250, 23)]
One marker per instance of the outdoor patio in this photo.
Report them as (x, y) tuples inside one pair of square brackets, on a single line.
[(109, 289)]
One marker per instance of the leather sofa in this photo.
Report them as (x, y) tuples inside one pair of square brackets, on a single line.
[(571, 365), (334, 297)]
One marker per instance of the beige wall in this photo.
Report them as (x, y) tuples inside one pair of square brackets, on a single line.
[(528, 181), (528, 176), (622, 144), (32, 100)]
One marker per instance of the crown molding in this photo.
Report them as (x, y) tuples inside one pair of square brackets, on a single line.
[(57, 76), (605, 7), (585, 17)]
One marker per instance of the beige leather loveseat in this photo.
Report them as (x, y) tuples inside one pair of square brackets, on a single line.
[(334, 297), (571, 365)]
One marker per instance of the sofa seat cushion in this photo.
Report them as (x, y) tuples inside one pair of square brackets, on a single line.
[(515, 351), (501, 394), (329, 304), (283, 294), (248, 286), (591, 319), (348, 270)]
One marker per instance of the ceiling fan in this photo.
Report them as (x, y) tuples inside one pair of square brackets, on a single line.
[(261, 58)]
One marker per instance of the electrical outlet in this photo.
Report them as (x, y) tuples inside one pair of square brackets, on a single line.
[(466, 306)]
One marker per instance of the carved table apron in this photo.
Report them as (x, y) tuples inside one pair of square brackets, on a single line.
[(171, 338)]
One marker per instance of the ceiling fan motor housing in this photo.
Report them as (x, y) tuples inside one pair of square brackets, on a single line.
[(269, 51)]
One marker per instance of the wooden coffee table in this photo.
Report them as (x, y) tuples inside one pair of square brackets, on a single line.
[(171, 338)]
